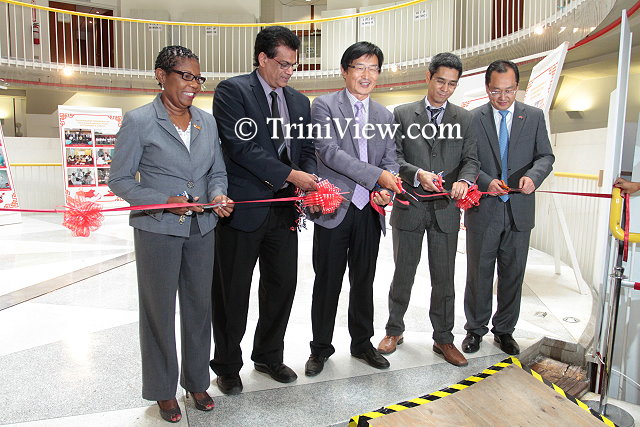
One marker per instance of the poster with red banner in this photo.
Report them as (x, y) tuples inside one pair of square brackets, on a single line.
[(8, 196), (88, 138)]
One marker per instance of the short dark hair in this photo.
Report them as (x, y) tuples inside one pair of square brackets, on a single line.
[(269, 38), (501, 66), (170, 55), (359, 49), (445, 59)]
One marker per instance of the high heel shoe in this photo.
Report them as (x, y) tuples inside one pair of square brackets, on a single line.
[(203, 404), (173, 415)]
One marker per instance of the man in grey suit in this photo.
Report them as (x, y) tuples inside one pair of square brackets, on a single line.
[(513, 148), (355, 161), (421, 157)]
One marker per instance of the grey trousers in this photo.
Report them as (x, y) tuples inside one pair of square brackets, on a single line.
[(407, 249), (166, 265), (500, 242)]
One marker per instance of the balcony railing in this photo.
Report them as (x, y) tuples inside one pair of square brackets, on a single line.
[(39, 37)]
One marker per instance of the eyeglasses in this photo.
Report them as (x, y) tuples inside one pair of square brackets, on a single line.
[(508, 92), (285, 65), (443, 82), (360, 68), (189, 77)]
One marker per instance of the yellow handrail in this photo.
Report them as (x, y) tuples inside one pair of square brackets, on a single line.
[(201, 24), (615, 215), (576, 175)]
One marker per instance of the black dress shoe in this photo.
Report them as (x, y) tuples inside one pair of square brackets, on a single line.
[(507, 344), (278, 371), (373, 358), (471, 343), (314, 365), (229, 384)]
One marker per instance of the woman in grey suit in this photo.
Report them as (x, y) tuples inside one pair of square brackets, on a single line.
[(174, 147)]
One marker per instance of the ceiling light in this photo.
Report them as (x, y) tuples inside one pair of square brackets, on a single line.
[(67, 71), (539, 31), (575, 29), (394, 68), (579, 103), (562, 30)]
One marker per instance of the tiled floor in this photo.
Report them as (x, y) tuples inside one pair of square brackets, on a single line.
[(71, 356)]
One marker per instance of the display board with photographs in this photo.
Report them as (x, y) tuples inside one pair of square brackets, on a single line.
[(8, 195), (88, 136)]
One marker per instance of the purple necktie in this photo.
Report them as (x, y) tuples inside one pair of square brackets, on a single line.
[(360, 194)]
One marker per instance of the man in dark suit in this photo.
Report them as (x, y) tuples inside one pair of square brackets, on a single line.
[(354, 161), (419, 156), (513, 147), (262, 163)]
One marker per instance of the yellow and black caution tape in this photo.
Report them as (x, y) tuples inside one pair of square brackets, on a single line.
[(363, 420), (561, 392)]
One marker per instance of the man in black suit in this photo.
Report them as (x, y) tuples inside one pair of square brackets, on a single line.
[(514, 147), (262, 163)]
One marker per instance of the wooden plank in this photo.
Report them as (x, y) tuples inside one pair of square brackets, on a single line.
[(572, 379), (510, 397)]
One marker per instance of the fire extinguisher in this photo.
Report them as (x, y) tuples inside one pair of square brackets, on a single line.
[(35, 26), (36, 33)]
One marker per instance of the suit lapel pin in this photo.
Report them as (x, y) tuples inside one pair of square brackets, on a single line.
[(521, 117), (196, 126)]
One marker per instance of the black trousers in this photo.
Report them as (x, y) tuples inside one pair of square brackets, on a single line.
[(354, 242), (276, 246), (499, 243)]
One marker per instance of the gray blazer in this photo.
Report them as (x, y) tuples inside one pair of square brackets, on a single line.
[(338, 159), (456, 157), (148, 143), (529, 155)]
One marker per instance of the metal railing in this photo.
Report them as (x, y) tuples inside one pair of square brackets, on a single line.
[(616, 287), (39, 185), (566, 226), (409, 33)]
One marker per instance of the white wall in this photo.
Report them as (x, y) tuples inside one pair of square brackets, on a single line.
[(46, 125), (336, 37), (341, 4), (209, 10), (37, 187), (580, 151)]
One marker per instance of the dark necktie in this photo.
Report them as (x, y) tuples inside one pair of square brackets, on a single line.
[(435, 112), (280, 145)]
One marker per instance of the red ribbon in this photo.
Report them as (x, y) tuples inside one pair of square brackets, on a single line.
[(82, 216)]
